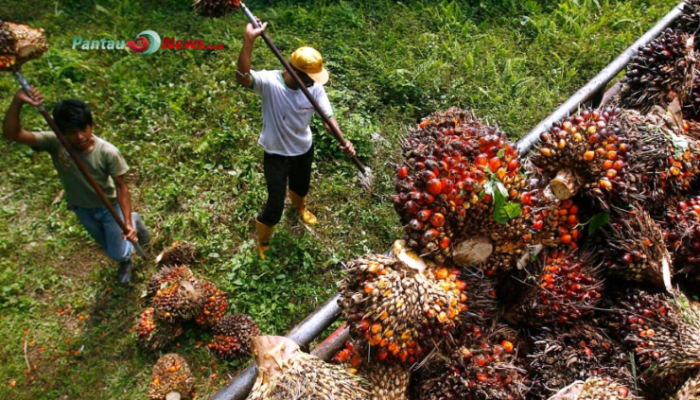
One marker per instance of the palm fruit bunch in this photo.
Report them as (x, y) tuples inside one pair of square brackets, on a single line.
[(168, 274), (681, 227), (660, 72), (284, 372), (215, 305), (179, 253), (19, 44), (690, 390), (179, 299), (386, 381), (545, 221), (453, 163), (598, 388), (564, 288), (215, 8), (669, 147), (483, 365), (589, 151), (635, 248), (172, 378), (233, 335), (618, 158), (562, 355), (663, 331), (154, 334), (399, 305)]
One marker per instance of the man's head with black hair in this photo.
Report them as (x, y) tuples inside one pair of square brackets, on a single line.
[(74, 119)]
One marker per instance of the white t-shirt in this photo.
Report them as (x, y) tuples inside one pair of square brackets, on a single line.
[(286, 113)]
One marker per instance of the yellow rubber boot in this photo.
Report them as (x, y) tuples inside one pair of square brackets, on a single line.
[(264, 233), (299, 204)]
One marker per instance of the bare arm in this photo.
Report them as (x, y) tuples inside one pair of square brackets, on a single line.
[(12, 127), (124, 200), (243, 68), (348, 149)]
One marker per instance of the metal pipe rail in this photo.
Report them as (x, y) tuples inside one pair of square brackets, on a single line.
[(329, 312)]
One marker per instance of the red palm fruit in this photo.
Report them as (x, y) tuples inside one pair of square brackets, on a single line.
[(437, 220), (434, 186), (154, 334), (403, 172), (454, 176), (424, 215)]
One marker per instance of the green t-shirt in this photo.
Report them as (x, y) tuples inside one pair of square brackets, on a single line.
[(103, 162)]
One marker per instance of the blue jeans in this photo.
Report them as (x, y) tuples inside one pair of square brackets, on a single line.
[(101, 225)]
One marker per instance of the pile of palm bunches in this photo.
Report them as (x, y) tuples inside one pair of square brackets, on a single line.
[(565, 286), (660, 72), (449, 158), (562, 355), (400, 305), (19, 44), (483, 365), (634, 248), (177, 296)]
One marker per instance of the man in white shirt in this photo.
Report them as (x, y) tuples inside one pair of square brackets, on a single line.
[(286, 135)]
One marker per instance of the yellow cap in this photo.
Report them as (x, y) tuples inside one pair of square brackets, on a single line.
[(309, 61)]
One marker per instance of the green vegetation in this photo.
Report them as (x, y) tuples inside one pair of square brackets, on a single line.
[(190, 135)]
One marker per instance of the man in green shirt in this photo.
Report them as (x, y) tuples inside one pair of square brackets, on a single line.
[(103, 161)]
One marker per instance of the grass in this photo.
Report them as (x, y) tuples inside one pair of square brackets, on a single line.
[(190, 135)]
